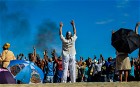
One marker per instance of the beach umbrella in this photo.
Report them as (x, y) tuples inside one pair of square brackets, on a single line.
[(26, 72), (125, 40), (6, 77)]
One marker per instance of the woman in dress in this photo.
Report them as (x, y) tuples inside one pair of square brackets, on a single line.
[(123, 64)]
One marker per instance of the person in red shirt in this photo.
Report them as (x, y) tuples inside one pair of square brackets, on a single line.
[(59, 67)]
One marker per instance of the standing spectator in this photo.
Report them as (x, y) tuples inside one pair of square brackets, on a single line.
[(68, 53), (77, 72), (90, 70), (82, 69), (7, 55), (137, 67), (32, 59), (123, 64), (98, 67), (110, 69), (137, 70), (42, 66), (85, 72), (38, 61), (32, 56), (81, 61), (50, 71), (5, 58), (131, 76), (59, 68), (45, 53), (101, 60), (49, 67), (94, 60)]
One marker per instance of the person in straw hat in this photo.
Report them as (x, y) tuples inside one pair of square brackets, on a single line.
[(6, 57)]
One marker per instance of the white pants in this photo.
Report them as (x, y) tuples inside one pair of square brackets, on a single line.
[(69, 62)]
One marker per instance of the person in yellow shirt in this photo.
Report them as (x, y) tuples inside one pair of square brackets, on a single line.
[(7, 55)]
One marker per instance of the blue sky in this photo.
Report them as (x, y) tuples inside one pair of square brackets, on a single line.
[(23, 21)]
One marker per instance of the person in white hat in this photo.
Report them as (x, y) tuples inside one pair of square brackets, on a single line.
[(68, 53)]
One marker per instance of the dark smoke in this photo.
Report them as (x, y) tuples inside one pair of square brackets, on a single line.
[(15, 28), (47, 35)]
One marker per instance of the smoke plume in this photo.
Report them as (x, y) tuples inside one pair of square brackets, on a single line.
[(47, 36)]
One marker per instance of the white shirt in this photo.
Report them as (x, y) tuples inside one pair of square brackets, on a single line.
[(68, 46)]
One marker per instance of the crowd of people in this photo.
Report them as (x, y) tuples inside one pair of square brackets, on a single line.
[(66, 68), (87, 70)]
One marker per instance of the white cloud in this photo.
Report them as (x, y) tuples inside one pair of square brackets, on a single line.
[(105, 21)]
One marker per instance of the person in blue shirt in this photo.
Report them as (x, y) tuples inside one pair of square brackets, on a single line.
[(86, 73), (131, 73), (49, 69)]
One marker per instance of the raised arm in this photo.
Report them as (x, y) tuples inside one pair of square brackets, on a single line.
[(73, 25), (136, 27), (45, 56), (60, 30), (113, 31), (34, 51), (54, 57)]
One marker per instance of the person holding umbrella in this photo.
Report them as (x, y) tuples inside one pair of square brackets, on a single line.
[(7, 55), (123, 64), (68, 53), (125, 41), (122, 60)]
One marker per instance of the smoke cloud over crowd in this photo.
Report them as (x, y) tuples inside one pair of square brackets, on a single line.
[(47, 35), (16, 28)]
